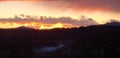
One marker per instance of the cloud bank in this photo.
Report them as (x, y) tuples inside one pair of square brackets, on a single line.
[(51, 20), (93, 5), (89, 5), (43, 22)]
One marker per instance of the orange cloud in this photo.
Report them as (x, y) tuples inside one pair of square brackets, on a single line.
[(21, 0)]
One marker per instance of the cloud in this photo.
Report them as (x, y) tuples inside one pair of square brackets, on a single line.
[(100, 5), (68, 20), (20, 0), (89, 5), (86, 5), (113, 22), (51, 20)]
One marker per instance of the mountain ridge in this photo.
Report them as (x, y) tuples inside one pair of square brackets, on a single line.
[(83, 42)]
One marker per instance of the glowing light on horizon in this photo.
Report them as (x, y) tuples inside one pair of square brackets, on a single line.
[(57, 25), (34, 25)]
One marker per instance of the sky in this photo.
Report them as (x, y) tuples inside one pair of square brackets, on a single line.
[(99, 10)]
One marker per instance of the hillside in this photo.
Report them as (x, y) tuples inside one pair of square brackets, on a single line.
[(100, 41)]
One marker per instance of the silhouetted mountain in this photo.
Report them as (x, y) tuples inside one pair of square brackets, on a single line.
[(100, 41), (25, 28)]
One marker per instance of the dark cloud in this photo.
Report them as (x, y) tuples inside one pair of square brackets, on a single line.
[(113, 22), (68, 20), (51, 20)]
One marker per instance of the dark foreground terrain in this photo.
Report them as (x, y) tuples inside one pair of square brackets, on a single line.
[(101, 41)]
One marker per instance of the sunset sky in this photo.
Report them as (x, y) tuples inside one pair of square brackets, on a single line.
[(99, 10)]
